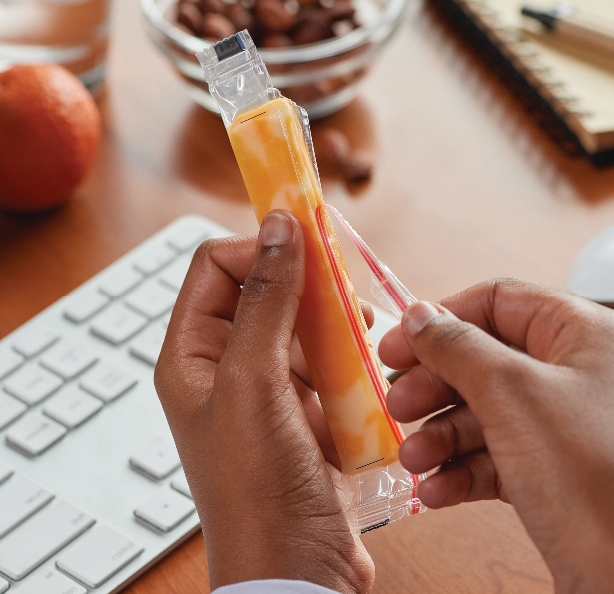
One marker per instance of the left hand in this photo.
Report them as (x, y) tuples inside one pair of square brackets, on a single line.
[(249, 430)]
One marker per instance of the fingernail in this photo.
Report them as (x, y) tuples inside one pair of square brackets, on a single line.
[(418, 316), (276, 230)]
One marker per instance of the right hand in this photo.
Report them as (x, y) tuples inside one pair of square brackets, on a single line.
[(529, 373)]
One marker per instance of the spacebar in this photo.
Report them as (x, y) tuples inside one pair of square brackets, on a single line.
[(28, 546)]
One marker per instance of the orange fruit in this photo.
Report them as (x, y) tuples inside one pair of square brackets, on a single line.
[(49, 135)]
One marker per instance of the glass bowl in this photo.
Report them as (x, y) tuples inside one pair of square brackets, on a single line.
[(321, 77)]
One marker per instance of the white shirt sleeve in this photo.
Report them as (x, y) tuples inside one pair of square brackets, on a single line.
[(273, 587)]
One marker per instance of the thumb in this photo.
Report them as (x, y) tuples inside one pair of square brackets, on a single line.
[(264, 320), (481, 369)]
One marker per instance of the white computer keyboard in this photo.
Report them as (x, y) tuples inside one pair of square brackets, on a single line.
[(91, 488)]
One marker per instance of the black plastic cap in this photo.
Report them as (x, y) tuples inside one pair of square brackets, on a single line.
[(231, 46)]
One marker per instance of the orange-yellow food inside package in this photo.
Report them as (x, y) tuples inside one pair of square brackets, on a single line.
[(271, 141)]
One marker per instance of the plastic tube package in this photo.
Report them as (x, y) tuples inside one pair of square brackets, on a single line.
[(271, 140)]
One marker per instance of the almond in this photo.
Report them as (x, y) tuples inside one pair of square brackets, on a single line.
[(217, 6), (189, 16), (331, 146), (274, 16), (275, 40), (217, 27), (310, 32), (342, 10), (239, 15), (357, 168)]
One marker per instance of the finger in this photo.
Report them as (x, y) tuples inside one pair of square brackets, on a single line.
[(451, 434), (523, 314), (315, 417), (266, 313), (419, 393), (471, 478), (479, 367), (201, 321), (394, 351), (367, 314), (298, 363), (493, 306), (213, 283), (529, 317)]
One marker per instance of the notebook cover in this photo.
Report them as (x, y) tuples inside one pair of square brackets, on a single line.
[(568, 87)]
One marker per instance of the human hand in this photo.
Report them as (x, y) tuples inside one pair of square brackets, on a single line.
[(529, 376), (248, 428)]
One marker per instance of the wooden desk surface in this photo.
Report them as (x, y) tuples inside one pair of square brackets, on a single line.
[(466, 188)]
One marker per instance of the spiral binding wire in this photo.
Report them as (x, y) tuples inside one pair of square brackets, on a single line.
[(492, 53)]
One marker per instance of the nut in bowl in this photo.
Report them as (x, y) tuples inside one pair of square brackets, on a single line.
[(316, 51)]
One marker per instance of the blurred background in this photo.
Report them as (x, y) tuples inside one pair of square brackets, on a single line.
[(465, 183)]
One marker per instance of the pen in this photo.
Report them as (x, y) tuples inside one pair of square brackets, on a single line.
[(579, 26)]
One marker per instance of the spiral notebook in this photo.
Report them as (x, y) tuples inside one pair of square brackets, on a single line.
[(570, 89)]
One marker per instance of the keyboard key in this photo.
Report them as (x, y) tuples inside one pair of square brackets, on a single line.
[(165, 510), (32, 383), (5, 471), (84, 305), (188, 235), (147, 346), (156, 460), (120, 282), (67, 359), (9, 361), (40, 537), (98, 556), (174, 275), (50, 581), (35, 341), (19, 499), (180, 483), (154, 258), (152, 299), (4, 585), (106, 382), (72, 406), (10, 409), (34, 434), (118, 323)]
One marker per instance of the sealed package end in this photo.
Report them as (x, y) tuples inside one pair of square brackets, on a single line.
[(237, 77), (376, 497), (271, 140)]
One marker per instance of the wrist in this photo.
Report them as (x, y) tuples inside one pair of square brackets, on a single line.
[(585, 561), (334, 560)]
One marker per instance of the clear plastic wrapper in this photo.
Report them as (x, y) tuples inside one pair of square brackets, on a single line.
[(271, 140)]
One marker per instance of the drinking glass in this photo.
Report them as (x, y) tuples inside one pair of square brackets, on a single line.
[(72, 33)]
